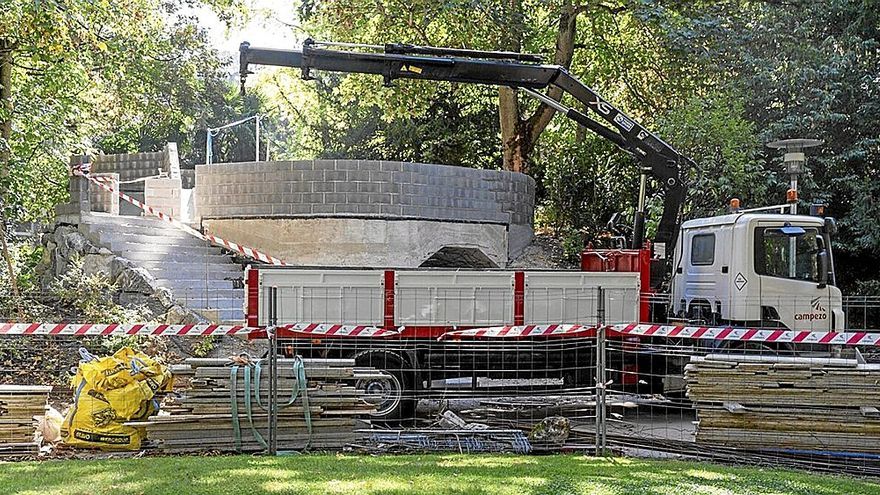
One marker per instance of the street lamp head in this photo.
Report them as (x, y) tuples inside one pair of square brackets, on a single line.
[(795, 144)]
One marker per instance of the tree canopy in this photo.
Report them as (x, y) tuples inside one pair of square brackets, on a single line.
[(716, 79)]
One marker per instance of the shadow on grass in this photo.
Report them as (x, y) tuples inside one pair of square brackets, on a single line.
[(397, 475)]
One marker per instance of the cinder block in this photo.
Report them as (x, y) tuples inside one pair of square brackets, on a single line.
[(346, 164), (380, 198), (379, 176), (294, 198), (358, 175), (300, 209), (312, 175), (323, 209), (331, 197), (281, 209), (370, 165), (345, 186), (300, 187), (393, 210), (401, 177), (322, 186), (411, 211), (371, 209), (367, 187), (388, 187), (346, 208), (334, 175), (390, 166), (357, 198)]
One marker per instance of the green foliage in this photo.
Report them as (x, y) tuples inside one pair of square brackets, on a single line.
[(812, 76), (90, 298), (109, 345), (101, 76), (202, 347), (714, 132), (73, 297), (716, 80)]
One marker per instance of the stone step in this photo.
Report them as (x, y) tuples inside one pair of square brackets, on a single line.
[(236, 304), (137, 221), (189, 285), (202, 294), (196, 272), (199, 275), (152, 239), (162, 229), (176, 257), (169, 247)]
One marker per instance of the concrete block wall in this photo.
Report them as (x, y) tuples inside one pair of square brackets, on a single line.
[(363, 189), (163, 194), (103, 200), (134, 166), (130, 166)]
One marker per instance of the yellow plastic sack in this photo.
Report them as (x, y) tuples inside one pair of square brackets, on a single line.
[(110, 391)]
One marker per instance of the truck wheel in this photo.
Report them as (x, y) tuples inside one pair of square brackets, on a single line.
[(391, 390)]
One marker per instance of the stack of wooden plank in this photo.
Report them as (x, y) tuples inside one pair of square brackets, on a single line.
[(787, 403), (19, 404), (203, 417)]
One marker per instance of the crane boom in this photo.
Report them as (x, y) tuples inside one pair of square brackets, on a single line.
[(400, 61)]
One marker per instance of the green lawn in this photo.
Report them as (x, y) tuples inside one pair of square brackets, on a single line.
[(430, 474)]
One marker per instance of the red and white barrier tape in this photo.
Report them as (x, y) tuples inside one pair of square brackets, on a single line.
[(518, 331), (750, 334), (317, 330), (106, 329), (249, 252)]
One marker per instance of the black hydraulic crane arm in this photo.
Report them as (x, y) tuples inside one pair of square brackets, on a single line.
[(516, 70)]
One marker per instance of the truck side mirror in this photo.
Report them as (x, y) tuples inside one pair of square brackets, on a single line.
[(830, 226), (822, 261)]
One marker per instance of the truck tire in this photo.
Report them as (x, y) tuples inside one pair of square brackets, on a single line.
[(394, 393)]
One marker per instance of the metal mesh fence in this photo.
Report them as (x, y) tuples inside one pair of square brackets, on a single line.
[(431, 385)]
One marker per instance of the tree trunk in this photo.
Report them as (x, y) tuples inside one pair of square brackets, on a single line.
[(519, 135), (511, 134), (6, 105), (5, 155)]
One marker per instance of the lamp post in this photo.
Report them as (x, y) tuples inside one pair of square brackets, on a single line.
[(794, 159)]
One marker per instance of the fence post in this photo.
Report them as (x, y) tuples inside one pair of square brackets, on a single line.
[(600, 372), (273, 391), (271, 334)]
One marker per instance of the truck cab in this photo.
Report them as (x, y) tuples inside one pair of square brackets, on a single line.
[(757, 269)]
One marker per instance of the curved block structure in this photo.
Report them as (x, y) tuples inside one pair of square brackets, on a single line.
[(368, 213)]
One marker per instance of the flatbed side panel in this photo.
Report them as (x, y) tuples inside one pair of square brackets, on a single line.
[(252, 313), (348, 297), (571, 297), (453, 298)]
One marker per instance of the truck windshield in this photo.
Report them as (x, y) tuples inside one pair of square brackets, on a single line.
[(786, 256)]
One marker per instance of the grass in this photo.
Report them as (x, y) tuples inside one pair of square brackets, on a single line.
[(425, 474)]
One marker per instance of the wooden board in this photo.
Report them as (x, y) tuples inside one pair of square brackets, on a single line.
[(785, 403)]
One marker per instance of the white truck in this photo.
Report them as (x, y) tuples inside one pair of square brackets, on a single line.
[(757, 269)]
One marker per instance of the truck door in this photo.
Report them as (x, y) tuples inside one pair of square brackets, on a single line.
[(788, 267)]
